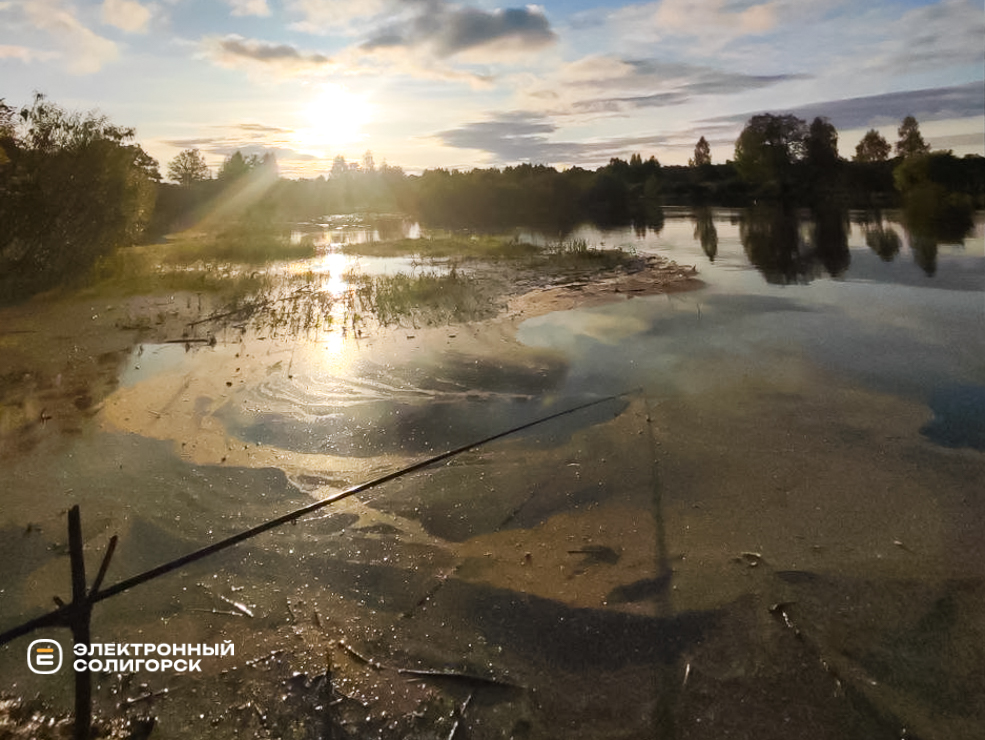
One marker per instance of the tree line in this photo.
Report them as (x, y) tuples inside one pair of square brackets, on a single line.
[(73, 187)]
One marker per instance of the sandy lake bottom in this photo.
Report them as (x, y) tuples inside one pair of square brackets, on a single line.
[(775, 532)]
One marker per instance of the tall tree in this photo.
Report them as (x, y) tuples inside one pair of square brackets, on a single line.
[(188, 167), (910, 140), (822, 144), (872, 148), (702, 154), (767, 149), (235, 166)]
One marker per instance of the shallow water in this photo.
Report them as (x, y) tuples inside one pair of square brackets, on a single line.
[(805, 558)]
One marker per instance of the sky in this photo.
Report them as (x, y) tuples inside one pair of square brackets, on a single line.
[(434, 83)]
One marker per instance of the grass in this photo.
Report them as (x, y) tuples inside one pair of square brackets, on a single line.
[(242, 243), (576, 253), (428, 298)]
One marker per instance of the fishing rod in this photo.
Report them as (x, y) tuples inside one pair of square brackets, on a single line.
[(64, 614)]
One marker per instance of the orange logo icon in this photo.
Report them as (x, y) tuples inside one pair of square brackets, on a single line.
[(44, 656)]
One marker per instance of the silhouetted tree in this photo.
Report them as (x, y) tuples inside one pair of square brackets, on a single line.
[(822, 145), (188, 167), (702, 154), (910, 140), (872, 148), (767, 149), (234, 167), (339, 166)]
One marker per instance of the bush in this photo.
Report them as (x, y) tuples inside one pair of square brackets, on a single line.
[(72, 189)]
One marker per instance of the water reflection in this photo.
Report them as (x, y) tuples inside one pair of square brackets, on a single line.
[(882, 239), (773, 242), (830, 239), (705, 231)]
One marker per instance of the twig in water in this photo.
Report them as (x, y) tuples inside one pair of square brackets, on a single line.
[(430, 673), (361, 658), (460, 715), (241, 607)]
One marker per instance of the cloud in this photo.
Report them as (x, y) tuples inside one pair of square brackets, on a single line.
[(249, 7), (946, 33), (446, 31), (524, 137), (247, 138), (235, 52), (24, 54), (935, 104), (608, 84), (323, 16), (707, 25), (83, 50), (127, 15)]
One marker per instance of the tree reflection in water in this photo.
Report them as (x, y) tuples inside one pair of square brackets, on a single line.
[(830, 238), (881, 239), (705, 231), (770, 235)]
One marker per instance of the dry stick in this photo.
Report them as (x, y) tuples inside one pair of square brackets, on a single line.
[(459, 675), (425, 672), (460, 715), (59, 616)]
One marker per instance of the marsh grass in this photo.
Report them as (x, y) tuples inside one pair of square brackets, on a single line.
[(241, 243), (141, 270), (560, 255), (577, 253), (427, 298)]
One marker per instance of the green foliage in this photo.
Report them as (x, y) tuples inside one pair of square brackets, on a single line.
[(188, 167), (938, 202), (872, 148), (74, 188)]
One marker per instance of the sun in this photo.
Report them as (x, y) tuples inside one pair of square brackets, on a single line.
[(333, 118)]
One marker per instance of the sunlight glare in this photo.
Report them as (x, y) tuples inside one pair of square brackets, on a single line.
[(334, 118)]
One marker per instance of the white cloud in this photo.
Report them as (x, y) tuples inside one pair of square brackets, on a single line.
[(323, 16), (23, 53), (249, 7), (127, 15), (82, 50), (711, 24)]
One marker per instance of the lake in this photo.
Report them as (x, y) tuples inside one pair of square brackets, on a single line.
[(774, 528)]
